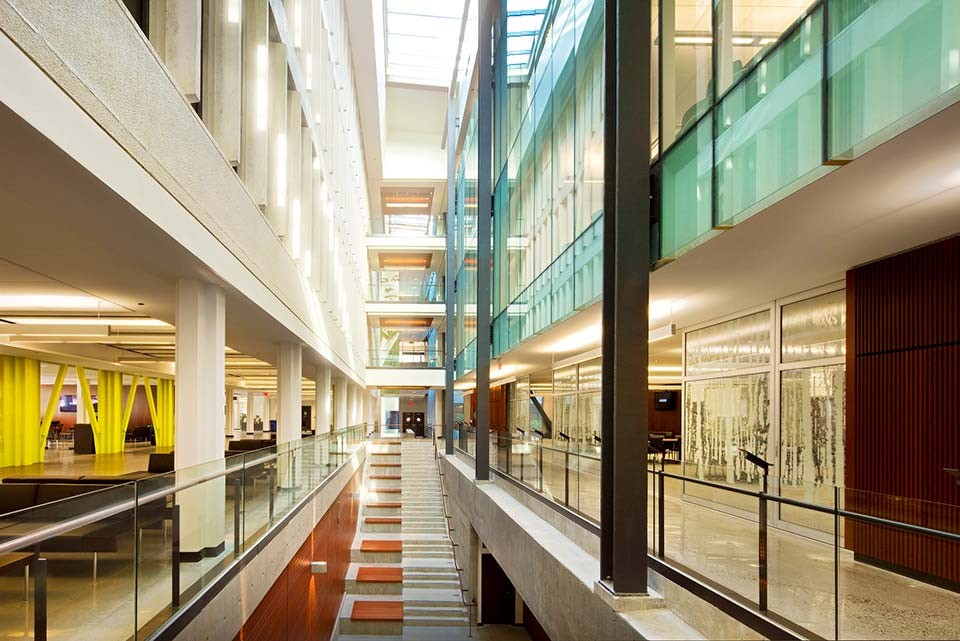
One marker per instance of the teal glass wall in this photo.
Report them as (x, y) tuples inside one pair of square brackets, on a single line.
[(756, 103), (888, 59), (548, 166), (465, 254)]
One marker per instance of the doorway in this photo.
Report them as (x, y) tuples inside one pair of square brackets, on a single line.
[(414, 421)]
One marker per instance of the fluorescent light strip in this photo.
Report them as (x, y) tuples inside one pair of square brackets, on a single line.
[(85, 320)]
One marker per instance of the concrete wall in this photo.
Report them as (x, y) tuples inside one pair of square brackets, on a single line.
[(116, 78), (554, 564)]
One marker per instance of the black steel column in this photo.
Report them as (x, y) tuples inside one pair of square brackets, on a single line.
[(626, 282), (484, 220), (451, 271)]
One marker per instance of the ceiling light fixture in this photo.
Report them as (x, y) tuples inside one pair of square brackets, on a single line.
[(662, 333), (85, 320)]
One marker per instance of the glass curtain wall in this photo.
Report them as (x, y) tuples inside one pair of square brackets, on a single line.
[(758, 98), (465, 314), (548, 165), (776, 391)]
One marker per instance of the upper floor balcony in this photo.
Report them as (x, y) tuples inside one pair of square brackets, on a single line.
[(409, 226), (769, 113), (406, 286)]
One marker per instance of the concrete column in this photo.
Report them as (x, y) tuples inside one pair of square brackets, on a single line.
[(221, 75), (81, 406), (255, 103), (351, 404), (175, 35), (277, 183), (340, 385), (230, 407), (323, 399), (371, 411), (250, 414), (293, 234), (289, 388), (198, 434)]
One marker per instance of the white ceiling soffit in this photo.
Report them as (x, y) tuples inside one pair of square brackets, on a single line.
[(422, 40)]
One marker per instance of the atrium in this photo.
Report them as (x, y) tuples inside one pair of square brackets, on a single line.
[(506, 320)]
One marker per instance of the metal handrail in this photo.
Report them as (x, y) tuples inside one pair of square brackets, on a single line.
[(876, 520), (62, 527), (446, 524)]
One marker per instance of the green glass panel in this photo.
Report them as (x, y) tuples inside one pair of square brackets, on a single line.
[(563, 289), (686, 189), (888, 59), (588, 261), (769, 126)]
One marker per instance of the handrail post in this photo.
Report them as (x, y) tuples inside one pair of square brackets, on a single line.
[(540, 463), (566, 477), (763, 545), (175, 558), (272, 488), (836, 559), (661, 510), (237, 499), (40, 599)]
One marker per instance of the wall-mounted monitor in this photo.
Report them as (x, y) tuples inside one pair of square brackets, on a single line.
[(665, 401)]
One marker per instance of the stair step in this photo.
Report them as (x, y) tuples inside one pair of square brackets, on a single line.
[(384, 477), (384, 504), (368, 574), (375, 545), (383, 520), (377, 611)]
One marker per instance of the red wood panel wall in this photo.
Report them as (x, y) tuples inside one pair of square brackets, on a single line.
[(300, 604), (664, 420), (903, 410)]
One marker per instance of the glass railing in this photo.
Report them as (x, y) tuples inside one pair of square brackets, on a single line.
[(823, 561), (564, 470), (114, 562), (409, 225), (431, 358), (390, 287), (848, 76), (841, 564)]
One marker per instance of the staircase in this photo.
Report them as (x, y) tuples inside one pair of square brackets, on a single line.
[(402, 583)]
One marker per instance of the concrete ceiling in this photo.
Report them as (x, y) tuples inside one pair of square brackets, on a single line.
[(65, 232)]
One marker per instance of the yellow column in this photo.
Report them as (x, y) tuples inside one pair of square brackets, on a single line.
[(52, 404), (20, 442), (161, 411), (165, 395), (109, 436)]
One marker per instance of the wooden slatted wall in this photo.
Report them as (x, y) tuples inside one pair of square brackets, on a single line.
[(903, 410)]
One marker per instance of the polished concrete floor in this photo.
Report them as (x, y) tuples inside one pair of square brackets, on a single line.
[(723, 547)]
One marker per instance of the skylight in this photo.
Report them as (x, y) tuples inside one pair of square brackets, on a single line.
[(422, 40), (524, 22)]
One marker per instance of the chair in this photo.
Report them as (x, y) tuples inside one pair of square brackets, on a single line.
[(83, 442)]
